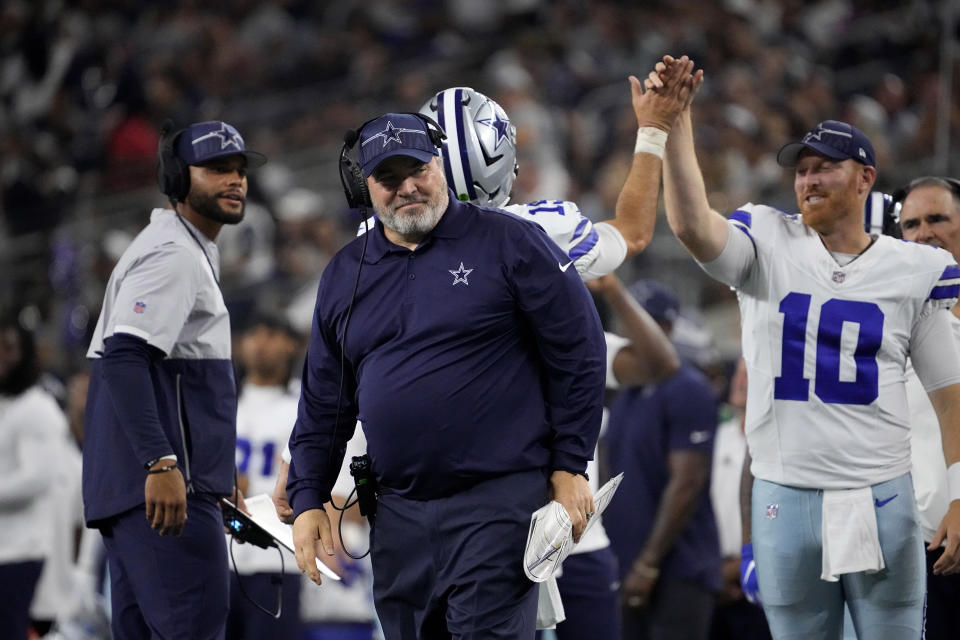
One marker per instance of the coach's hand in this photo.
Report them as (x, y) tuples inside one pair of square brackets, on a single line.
[(280, 502), (573, 492), (165, 495), (948, 534), (311, 537)]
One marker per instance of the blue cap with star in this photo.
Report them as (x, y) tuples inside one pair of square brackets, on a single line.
[(394, 134), (204, 141), (833, 139)]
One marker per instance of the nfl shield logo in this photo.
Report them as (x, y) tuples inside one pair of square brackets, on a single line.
[(138, 306), (838, 276), (772, 511)]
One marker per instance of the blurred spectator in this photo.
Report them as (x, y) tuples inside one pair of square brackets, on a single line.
[(32, 427), (661, 525), (734, 617), (266, 410)]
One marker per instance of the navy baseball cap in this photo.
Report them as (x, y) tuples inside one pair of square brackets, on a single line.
[(656, 299), (204, 141), (834, 139), (394, 134)]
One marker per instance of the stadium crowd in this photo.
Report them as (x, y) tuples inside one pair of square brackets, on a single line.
[(85, 86)]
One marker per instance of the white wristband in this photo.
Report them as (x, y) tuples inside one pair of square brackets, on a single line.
[(953, 481), (651, 140)]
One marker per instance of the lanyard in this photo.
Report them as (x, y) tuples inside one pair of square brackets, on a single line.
[(213, 271)]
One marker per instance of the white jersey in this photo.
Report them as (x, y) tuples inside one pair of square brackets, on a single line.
[(595, 249), (264, 418), (929, 470), (826, 347)]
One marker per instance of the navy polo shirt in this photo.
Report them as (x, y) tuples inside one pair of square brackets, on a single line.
[(645, 425), (479, 353)]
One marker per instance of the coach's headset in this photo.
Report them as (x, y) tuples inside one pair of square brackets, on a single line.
[(173, 174), (351, 177), (891, 217)]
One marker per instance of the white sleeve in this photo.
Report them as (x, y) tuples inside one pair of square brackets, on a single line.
[(356, 446), (934, 350), (614, 344), (608, 254), (736, 259), (156, 296)]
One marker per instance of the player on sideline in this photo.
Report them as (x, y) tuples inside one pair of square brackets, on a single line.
[(830, 315), (478, 129)]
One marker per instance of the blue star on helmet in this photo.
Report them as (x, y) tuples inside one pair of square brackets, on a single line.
[(500, 125), (227, 138)]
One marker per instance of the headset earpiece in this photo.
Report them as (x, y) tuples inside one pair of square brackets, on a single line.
[(173, 174), (354, 184)]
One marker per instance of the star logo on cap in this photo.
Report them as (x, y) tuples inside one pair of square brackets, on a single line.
[(391, 134), (227, 138), (460, 275), (820, 130), (501, 126)]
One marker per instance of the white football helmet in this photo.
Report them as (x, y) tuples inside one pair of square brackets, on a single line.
[(480, 152)]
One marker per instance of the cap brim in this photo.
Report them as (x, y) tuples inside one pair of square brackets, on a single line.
[(418, 154), (254, 159), (790, 152)]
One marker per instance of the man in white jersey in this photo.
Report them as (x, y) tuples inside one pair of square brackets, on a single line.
[(830, 315), (266, 406), (931, 215)]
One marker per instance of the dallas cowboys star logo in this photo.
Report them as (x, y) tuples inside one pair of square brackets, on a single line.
[(501, 126), (391, 134), (818, 134), (227, 139), (460, 275)]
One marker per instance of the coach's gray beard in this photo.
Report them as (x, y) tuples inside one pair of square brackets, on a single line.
[(415, 226)]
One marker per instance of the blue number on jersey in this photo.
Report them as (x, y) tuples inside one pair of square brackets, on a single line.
[(245, 449), (791, 385), (541, 206)]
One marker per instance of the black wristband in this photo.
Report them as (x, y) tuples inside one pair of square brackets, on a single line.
[(169, 467)]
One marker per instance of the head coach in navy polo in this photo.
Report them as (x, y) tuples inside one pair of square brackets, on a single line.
[(158, 449), (474, 360)]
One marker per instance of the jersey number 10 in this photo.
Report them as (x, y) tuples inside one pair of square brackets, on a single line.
[(791, 385)]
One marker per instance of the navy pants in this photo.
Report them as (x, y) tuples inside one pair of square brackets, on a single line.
[(18, 581), (943, 602), (590, 591), (166, 587), (452, 567)]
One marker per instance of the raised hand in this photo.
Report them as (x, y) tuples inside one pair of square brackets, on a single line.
[(664, 79)]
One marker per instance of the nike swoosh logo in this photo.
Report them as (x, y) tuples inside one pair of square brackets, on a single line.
[(564, 267), (880, 503)]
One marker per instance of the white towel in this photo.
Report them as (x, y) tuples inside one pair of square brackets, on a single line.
[(849, 530), (549, 605)]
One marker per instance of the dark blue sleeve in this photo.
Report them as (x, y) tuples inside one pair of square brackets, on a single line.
[(570, 342), (319, 440), (691, 411), (126, 372)]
